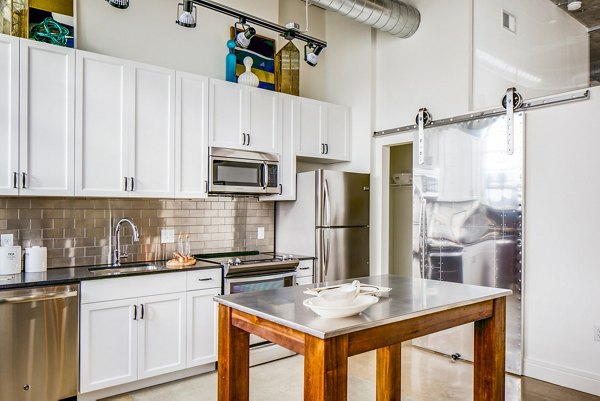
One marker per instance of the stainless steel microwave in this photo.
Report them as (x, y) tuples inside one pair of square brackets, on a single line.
[(233, 171)]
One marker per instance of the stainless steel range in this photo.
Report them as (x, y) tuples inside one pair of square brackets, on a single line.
[(253, 271)]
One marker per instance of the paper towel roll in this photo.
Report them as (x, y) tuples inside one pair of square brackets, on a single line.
[(35, 259)]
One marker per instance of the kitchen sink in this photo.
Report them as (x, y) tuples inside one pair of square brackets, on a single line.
[(125, 269)]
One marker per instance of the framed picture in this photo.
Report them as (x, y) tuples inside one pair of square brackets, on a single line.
[(262, 51)]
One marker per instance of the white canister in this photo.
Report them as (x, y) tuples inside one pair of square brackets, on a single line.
[(36, 259), (10, 260)]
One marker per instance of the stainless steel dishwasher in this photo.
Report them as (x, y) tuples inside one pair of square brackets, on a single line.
[(39, 334)]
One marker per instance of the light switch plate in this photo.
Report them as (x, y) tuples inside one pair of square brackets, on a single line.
[(6, 240), (261, 233), (167, 236)]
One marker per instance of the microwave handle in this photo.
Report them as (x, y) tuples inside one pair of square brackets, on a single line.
[(265, 175)]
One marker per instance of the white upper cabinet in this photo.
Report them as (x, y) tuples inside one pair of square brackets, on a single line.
[(47, 120), (312, 129), (243, 118), (191, 136), (152, 135), (290, 130), (9, 115), (324, 131), (226, 123), (262, 126), (37, 120), (101, 136), (338, 133), (125, 128)]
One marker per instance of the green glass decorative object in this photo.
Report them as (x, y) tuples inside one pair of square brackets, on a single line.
[(287, 69)]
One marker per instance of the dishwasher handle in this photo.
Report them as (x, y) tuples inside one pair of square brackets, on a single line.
[(39, 297)]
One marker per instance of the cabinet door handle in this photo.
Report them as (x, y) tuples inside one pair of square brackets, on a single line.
[(303, 268), (326, 148), (24, 180), (280, 189), (205, 186), (15, 180), (322, 148), (248, 139), (133, 186), (142, 312), (134, 312), (205, 279), (244, 139), (125, 179)]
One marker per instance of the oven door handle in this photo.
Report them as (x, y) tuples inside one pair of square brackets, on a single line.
[(262, 277)]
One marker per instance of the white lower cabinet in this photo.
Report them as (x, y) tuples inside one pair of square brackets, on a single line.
[(133, 328), (202, 327), (131, 339), (108, 344), (161, 334)]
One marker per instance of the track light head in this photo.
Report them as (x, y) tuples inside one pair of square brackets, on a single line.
[(311, 53), (243, 38), (185, 17), (122, 4)]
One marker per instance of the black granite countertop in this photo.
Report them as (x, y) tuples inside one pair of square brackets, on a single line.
[(71, 275)]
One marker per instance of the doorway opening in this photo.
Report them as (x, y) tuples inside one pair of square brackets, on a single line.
[(400, 210)]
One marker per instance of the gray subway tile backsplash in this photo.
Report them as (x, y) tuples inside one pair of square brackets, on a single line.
[(76, 231)]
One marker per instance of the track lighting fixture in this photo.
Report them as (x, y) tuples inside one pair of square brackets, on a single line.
[(311, 53), (184, 14), (187, 17), (245, 34), (119, 3)]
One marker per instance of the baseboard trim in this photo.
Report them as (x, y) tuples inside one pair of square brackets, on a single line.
[(143, 383), (580, 380)]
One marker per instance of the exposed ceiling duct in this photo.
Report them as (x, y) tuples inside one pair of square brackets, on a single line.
[(391, 16)]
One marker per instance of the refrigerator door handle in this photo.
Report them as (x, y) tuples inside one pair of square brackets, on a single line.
[(327, 205), (326, 250)]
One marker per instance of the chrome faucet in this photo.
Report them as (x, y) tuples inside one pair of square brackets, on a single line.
[(116, 253)]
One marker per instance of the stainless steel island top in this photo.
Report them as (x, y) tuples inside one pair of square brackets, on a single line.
[(409, 298)]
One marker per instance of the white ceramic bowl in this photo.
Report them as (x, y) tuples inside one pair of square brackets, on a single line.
[(342, 296), (322, 309)]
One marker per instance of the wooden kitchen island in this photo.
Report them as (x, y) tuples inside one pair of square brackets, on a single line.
[(414, 308)]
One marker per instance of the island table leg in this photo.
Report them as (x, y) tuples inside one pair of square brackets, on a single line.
[(234, 364), (326, 369), (389, 373), (490, 346)]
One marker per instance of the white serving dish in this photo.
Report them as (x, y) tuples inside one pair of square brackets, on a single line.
[(322, 309), (341, 296)]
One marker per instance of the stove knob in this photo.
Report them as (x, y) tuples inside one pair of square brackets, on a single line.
[(290, 256), (283, 257), (238, 261), (229, 261)]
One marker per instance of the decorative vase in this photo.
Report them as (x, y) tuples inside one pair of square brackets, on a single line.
[(287, 69), (230, 62), (248, 78)]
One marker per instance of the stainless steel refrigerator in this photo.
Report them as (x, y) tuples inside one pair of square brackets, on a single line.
[(467, 221), (330, 221)]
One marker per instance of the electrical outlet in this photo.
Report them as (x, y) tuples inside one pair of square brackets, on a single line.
[(6, 240), (261, 233), (167, 236), (596, 333)]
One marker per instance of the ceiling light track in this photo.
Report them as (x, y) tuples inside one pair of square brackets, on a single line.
[(251, 19)]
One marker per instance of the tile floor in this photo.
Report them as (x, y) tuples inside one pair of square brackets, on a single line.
[(426, 376)]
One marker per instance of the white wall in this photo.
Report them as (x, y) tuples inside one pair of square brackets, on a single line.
[(548, 53), (562, 272), (147, 32), (430, 69)]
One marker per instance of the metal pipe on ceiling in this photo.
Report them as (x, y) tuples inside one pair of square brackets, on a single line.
[(391, 16)]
